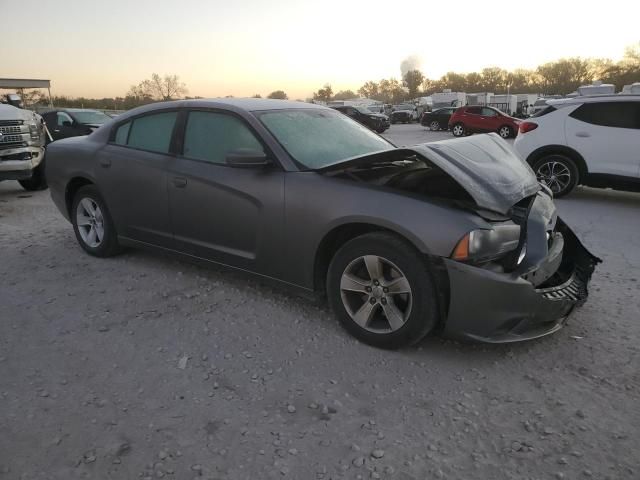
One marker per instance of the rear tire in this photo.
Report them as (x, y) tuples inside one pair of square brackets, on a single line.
[(382, 291), (434, 126), (559, 172), (459, 130), (92, 223), (505, 131)]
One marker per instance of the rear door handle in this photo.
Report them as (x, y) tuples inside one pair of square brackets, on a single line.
[(105, 162), (582, 134), (180, 182)]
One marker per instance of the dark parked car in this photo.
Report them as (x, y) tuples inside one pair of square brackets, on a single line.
[(477, 119), (403, 241), (377, 122), (73, 122), (438, 119), (403, 114)]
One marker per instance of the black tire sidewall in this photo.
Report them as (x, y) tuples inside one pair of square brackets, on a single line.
[(567, 162), (37, 180), (424, 310), (510, 131), (109, 245), (464, 130)]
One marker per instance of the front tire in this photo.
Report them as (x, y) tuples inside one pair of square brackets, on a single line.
[(381, 289), (92, 223), (559, 172), (458, 130), (434, 126), (37, 180)]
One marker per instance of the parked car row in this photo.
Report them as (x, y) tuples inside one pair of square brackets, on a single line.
[(377, 122)]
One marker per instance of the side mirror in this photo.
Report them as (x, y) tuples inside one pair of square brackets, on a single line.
[(66, 123), (247, 158)]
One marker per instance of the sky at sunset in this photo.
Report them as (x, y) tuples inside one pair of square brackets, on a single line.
[(242, 47)]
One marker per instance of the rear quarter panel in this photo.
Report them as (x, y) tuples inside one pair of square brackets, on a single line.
[(65, 160)]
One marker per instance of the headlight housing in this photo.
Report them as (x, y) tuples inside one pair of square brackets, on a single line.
[(485, 245), (34, 130)]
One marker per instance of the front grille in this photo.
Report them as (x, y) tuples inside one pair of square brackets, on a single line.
[(10, 123), (8, 130), (8, 146), (10, 138), (573, 289)]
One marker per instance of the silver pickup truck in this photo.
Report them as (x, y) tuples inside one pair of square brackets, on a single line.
[(22, 141)]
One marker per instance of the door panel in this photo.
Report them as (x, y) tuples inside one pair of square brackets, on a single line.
[(229, 215), (595, 131), (134, 185)]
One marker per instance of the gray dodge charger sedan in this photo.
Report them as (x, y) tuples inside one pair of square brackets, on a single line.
[(454, 236)]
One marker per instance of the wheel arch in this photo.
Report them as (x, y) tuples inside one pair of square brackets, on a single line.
[(341, 234), (72, 187), (583, 171)]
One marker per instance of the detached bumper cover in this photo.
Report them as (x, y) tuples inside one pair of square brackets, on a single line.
[(500, 307)]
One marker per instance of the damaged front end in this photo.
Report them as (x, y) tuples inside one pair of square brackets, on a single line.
[(519, 276), (491, 304)]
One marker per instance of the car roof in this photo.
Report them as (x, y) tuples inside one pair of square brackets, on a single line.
[(251, 104), (615, 97)]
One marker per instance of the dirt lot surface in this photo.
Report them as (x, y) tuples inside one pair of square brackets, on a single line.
[(142, 366)]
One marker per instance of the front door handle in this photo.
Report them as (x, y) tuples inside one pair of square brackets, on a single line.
[(582, 134), (180, 182), (105, 162)]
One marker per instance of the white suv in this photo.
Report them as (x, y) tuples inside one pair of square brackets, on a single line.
[(590, 140)]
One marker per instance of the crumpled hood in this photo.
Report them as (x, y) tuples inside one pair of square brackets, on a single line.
[(484, 165)]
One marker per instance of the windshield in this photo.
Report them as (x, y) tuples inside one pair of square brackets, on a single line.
[(403, 107), (91, 117), (539, 103), (317, 137)]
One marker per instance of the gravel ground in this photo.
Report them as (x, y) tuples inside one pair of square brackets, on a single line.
[(142, 366)]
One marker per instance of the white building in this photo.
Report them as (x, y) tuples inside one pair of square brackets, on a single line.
[(447, 98)]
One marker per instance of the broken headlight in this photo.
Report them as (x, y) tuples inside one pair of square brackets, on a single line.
[(486, 245)]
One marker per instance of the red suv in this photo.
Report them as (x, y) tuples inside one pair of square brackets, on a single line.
[(477, 119)]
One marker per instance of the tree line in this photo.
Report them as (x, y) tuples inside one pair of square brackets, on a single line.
[(559, 77)]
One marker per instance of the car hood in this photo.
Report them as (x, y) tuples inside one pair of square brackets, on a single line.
[(484, 165)]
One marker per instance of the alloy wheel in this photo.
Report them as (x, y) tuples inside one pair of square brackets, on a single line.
[(555, 175), (90, 222), (434, 125), (458, 130), (376, 294), (505, 132)]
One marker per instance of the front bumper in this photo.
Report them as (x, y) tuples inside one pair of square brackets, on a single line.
[(13, 169), (501, 307)]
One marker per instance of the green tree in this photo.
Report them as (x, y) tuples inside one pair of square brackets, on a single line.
[(370, 90), (494, 79), (413, 80), (159, 88), (324, 94), (564, 76), (278, 95), (344, 95)]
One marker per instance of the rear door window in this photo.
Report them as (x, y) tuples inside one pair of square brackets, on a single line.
[(150, 132), (489, 112), (474, 110), (609, 114)]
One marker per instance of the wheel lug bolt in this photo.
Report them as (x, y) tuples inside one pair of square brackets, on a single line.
[(368, 289), (385, 290), (376, 283), (372, 300), (383, 301)]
